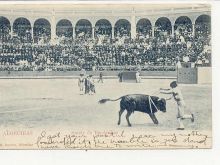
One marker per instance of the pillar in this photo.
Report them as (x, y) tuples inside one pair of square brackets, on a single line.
[(133, 26), (11, 32), (173, 31), (74, 33), (93, 32), (12, 20), (193, 29), (53, 28), (153, 28), (32, 33), (113, 32), (11, 26)]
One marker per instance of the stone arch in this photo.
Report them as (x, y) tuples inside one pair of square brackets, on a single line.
[(144, 27), (163, 26), (103, 26), (64, 28), (183, 24), (22, 28), (5, 28), (83, 28), (203, 25), (122, 28), (42, 30)]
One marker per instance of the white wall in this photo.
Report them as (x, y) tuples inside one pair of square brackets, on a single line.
[(204, 75)]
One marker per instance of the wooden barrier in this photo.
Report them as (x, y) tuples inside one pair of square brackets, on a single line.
[(128, 76), (23, 74), (204, 75), (187, 75), (200, 75)]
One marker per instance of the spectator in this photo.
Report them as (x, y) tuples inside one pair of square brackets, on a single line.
[(149, 53)]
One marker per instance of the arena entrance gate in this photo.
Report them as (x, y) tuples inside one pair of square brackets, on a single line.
[(128, 76)]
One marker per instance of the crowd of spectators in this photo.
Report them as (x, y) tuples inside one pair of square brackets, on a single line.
[(82, 52)]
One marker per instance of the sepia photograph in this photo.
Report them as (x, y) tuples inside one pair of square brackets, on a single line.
[(105, 76)]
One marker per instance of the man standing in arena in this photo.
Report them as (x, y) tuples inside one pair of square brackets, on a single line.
[(120, 76), (100, 77), (177, 95), (81, 82), (138, 78), (91, 85), (86, 85)]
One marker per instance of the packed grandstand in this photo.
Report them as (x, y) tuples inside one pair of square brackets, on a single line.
[(157, 47)]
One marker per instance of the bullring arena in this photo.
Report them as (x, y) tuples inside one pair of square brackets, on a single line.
[(43, 50), (57, 103)]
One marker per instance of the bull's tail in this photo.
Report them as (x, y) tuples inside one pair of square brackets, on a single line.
[(103, 101)]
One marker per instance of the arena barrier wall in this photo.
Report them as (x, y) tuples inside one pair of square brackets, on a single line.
[(128, 76), (106, 74), (187, 76), (200, 75), (204, 75)]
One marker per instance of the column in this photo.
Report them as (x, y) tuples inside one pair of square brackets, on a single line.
[(74, 34), (93, 32), (113, 32), (11, 20), (153, 26), (32, 33), (133, 27), (53, 28), (173, 31), (193, 29), (153, 31), (11, 33)]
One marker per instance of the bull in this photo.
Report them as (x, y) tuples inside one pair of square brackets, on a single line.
[(139, 102)]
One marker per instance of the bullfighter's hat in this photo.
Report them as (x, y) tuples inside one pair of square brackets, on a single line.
[(173, 84)]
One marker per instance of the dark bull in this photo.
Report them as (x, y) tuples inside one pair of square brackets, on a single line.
[(139, 102)]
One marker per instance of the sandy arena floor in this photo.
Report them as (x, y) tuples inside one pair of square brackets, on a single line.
[(57, 103)]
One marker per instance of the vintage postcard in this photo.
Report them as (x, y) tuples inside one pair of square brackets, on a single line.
[(105, 76)]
